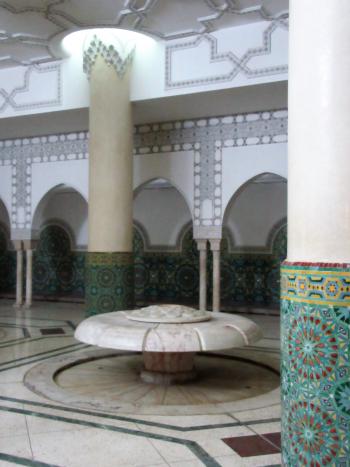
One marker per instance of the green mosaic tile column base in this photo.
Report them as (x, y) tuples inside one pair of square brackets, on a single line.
[(315, 334), (109, 282)]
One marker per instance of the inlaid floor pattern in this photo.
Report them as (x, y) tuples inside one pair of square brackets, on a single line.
[(39, 431)]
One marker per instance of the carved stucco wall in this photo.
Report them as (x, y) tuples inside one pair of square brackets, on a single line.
[(206, 159)]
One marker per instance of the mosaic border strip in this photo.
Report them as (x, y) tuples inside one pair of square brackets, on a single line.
[(316, 285)]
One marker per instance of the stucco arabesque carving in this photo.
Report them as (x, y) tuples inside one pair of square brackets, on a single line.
[(112, 54)]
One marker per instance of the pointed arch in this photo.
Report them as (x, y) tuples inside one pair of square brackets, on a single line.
[(162, 215), (54, 189), (242, 187), (148, 182), (48, 211), (254, 210), (5, 215)]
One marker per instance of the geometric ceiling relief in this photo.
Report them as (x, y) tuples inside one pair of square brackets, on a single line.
[(275, 50), (205, 65), (28, 26), (25, 34), (170, 19), (35, 86)]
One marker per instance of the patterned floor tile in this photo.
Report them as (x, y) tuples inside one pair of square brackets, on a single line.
[(255, 445)]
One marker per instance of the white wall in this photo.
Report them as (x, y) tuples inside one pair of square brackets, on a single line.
[(163, 213), (254, 211)]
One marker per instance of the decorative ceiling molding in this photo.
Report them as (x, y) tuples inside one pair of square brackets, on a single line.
[(206, 24), (238, 64), (51, 96), (26, 38)]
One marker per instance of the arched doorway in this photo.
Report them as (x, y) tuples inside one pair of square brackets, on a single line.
[(166, 259), (254, 242), (7, 255), (60, 221)]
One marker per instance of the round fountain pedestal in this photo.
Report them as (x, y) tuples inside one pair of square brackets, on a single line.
[(169, 336), (168, 367)]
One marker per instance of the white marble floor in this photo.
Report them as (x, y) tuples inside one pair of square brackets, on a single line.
[(38, 431)]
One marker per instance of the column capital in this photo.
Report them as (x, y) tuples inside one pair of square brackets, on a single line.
[(207, 231), (215, 244), (202, 244), (112, 50), (18, 245), (30, 244)]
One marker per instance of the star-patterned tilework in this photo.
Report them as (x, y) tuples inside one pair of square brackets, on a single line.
[(315, 310)]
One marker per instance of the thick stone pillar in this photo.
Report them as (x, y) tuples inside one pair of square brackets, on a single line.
[(202, 247), (110, 278), (215, 248), (19, 273), (315, 320)]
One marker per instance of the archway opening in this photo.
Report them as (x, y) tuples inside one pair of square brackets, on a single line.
[(166, 260), (7, 256), (254, 243), (60, 224)]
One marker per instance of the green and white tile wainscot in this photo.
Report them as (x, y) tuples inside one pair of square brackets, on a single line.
[(110, 282), (315, 328)]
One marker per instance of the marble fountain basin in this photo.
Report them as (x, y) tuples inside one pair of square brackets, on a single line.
[(168, 336)]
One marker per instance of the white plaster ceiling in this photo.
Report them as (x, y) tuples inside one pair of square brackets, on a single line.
[(28, 26)]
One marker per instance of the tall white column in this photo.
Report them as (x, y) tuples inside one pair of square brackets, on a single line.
[(19, 273), (215, 248), (202, 247), (319, 136), (315, 290)]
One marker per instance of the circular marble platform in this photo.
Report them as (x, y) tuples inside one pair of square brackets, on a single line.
[(169, 336), (109, 381)]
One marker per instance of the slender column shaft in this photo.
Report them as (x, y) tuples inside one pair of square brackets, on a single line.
[(19, 278), (215, 247), (202, 247), (315, 303), (29, 278)]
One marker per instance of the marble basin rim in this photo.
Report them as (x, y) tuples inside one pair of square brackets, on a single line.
[(115, 331)]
